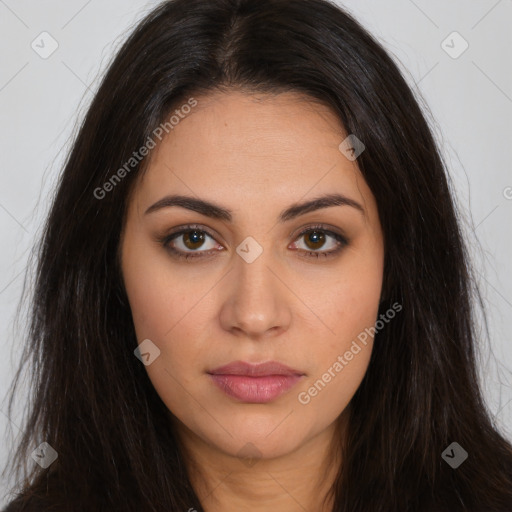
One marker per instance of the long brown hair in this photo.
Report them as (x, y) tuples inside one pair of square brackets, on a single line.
[(91, 399)]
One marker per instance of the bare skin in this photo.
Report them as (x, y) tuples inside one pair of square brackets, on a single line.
[(255, 155)]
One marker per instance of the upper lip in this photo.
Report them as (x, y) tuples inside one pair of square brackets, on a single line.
[(255, 369)]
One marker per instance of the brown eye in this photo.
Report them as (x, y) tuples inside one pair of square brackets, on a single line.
[(193, 239), (314, 239), (190, 243)]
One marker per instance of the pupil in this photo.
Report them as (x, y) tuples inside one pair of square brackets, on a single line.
[(195, 238), (315, 239)]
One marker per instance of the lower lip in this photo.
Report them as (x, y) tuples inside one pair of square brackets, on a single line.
[(256, 390)]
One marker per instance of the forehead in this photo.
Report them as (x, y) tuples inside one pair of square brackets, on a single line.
[(247, 148)]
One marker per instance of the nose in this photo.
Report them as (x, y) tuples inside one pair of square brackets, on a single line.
[(257, 303)]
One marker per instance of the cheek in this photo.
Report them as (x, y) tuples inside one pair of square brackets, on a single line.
[(167, 309), (346, 300), (327, 394), (341, 359), (348, 307)]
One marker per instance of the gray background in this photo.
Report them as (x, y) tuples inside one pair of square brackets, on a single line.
[(469, 102)]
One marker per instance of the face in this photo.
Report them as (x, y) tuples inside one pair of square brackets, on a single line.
[(246, 271)]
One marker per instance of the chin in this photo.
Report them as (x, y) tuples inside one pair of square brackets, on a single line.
[(253, 439)]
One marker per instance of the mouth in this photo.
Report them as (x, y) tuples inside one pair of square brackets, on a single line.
[(255, 383)]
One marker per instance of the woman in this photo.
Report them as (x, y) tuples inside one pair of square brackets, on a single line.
[(252, 290)]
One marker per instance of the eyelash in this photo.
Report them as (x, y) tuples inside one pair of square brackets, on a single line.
[(165, 240)]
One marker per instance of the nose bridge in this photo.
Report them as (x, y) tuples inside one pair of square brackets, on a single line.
[(256, 302), (254, 278)]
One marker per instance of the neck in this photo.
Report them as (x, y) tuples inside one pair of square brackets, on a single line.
[(300, 480)]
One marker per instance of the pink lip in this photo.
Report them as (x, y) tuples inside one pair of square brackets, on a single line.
[(255, 383)]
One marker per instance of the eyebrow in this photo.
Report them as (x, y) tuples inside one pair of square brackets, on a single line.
[(215, 211)]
